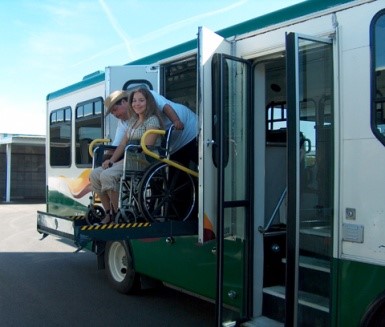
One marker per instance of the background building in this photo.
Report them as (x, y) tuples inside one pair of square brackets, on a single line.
[(22, 168)]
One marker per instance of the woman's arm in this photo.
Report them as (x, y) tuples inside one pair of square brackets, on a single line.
[(117, 153), (151, 138)]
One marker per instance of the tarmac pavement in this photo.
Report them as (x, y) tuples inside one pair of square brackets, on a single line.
[(44, 283)]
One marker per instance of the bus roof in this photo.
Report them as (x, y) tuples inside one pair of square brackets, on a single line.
[(298, 10)]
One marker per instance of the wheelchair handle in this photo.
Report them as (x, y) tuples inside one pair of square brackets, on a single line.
[(134, 148), (92, 144), (158, 157)]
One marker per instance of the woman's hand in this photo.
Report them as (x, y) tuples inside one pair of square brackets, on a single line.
[(107, 164)]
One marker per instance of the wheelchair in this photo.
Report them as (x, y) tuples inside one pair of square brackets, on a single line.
[(152, 190)]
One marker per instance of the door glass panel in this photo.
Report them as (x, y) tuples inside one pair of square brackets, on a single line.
[(315, 83), (232, 137), (235, 132)]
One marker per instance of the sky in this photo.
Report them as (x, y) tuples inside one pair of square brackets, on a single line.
[(47, 45)]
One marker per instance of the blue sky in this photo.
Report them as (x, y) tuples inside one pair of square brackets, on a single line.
[(49, 44)]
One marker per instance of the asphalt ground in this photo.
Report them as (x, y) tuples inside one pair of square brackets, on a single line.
[(44, 283)]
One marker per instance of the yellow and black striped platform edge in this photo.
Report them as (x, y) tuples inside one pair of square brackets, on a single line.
[(116, 226)]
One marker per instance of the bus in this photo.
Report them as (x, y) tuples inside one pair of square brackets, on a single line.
[(290, 212)]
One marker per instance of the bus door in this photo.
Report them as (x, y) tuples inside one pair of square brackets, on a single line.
[(126, 78), (310, 180), (224, 175)]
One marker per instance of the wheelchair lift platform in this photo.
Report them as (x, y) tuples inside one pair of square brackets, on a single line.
[(76, 228), (135, 230)]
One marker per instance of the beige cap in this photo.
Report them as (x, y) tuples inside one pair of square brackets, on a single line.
[(113, 98)]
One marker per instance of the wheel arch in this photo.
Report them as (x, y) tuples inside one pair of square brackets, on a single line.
[(375, 312)]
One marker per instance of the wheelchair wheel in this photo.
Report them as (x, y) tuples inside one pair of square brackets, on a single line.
[(125, 216), (128, 204), (94, 215), (166, 193)]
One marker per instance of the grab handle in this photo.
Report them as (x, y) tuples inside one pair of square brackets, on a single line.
[(158, 157)]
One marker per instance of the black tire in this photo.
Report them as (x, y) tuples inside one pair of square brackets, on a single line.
[(120, 271), (166, 193), (94, 215)]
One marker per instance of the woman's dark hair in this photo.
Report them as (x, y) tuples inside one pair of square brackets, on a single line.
[(151, 108)]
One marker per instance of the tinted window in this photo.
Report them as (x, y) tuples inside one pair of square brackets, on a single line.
[(377, 47), (88, 126), (60, 137)]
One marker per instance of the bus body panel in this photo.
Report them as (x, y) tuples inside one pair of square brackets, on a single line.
[(358, 285), (195, 271), (362, 209), (68, 187)]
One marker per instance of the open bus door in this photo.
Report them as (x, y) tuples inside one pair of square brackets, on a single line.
[(225, 173), (310, 181)]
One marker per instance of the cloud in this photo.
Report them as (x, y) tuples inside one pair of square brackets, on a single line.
[(130, 43), (61, 12), (51, 44), (176, 26), (16, 119), (118, 29), (104, 53)]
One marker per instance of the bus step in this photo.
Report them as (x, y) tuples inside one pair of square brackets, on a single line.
[(274, 305), (311, 269), (313, 263), (262, 321), (316, 240)]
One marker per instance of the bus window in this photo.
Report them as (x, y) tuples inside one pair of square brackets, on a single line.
[(88, 126), (276, 122), (60, 137), (377, 47)]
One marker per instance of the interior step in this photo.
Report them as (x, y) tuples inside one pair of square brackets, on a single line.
[(313, 263), (313, 310), (313, 269), (304, 298), (316, 240), (262, 322)]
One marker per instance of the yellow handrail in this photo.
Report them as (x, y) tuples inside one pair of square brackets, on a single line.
[(92, 144), (158, 157)]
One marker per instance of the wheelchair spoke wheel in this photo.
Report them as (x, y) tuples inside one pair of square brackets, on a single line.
[(166, 193), (94, 215), (125, 216)]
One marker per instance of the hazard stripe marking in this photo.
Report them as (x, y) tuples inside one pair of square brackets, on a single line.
[(115, 226)]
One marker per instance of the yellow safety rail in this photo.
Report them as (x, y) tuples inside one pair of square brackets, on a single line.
[(158, 157), (92, 144)]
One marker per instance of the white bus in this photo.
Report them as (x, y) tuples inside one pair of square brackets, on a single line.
[(290, 220)]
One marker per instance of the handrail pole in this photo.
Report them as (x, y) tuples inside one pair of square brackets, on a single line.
[(158, 157)]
